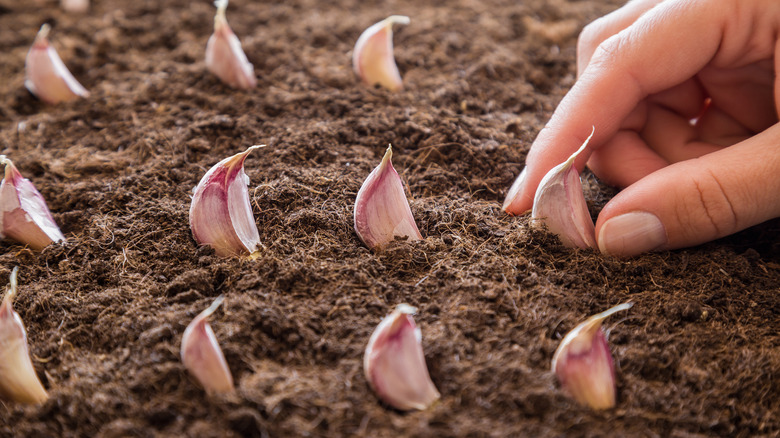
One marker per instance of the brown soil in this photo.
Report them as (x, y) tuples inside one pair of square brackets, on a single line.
[(697, 355)]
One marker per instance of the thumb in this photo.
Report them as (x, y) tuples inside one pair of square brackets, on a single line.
[(695, 201)]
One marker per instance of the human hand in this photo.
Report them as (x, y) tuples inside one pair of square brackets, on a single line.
[(645, 71)]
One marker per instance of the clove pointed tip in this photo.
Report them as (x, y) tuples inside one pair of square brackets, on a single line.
[(219, 18), (570, 161), (213, 307), (406, 309), (12, 285), (43, 33), (397, 19)]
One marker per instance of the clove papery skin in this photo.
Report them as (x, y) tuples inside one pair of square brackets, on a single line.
[(224, 55), (584, 365), (202, 356), (560, 204), (221, 212), (394, 363), (372, 58), (46, 74), (18, 381), (24, 215), (382, 211)]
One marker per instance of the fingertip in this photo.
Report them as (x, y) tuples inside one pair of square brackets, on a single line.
[(631, 234)]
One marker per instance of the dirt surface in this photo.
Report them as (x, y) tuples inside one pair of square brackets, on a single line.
[(697, 355)]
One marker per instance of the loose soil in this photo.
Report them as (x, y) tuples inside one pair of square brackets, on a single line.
[(697, 355)]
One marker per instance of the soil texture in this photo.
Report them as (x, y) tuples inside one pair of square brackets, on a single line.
[(697, 355)]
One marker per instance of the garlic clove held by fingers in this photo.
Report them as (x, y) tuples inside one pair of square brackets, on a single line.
[(221, 213), (560, 204), (394, 363), (18, 381), (382, 211), (24, 216), (46, 74), (202, 356), (372, 58), (224, 55), (584, 365)]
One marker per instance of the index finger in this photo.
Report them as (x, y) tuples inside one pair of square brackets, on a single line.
[(666, 46)]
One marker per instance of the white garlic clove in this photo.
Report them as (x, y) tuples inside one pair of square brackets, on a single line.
[(46, 74), (583, 362), (221, 213), (24, 216), (224, 55), (372, 58), (18, 381), (394, 362), (382, 211), (560, 204), (202, 356), (75, 6)]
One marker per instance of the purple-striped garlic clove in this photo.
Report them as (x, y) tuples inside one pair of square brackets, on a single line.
[(560, 204), (583, 363), (394, 363), (224, 55), (372, 58), (221, 213), (46, 74), (75, 6), (382, 211), (202, 356), (18, 381), (24, 216)]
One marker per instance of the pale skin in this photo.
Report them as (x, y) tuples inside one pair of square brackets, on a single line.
[(644, 71)]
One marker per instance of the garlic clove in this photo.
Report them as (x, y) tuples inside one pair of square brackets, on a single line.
[(24, 216), (381, 208), (560, 204), (394, 363), (583, 362), (18, 381), (221, 213), (46, 74), (202, 356), (224, 55), (75, 6), (372, 58)]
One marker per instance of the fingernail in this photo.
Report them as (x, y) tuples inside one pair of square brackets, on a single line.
[(513, 193), (631, 234)]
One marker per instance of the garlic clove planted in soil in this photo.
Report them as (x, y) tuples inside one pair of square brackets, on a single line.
[(372, 58), (46, 74), (382, 211), (394, 362), (24, 216), (202, 356), (75, 6), (560, 204), (224, 55), (221, 213), (18, 381), (583, 362)]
